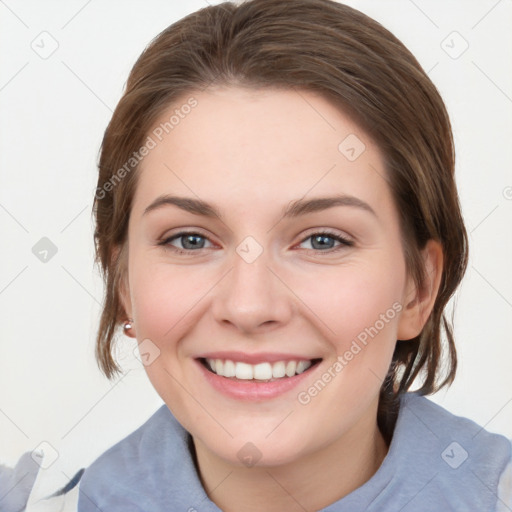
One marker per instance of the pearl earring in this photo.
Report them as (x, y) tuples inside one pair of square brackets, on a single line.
[(128, 325)]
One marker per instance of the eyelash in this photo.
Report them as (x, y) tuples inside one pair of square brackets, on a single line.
[(338, 238)]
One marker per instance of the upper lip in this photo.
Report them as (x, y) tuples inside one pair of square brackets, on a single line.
[(262, 357)]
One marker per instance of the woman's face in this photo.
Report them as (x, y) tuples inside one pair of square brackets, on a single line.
[(264, 282)]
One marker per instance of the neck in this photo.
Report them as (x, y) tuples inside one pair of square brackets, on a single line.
[(337, 469)]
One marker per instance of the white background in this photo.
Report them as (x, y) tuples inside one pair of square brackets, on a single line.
[(53, 115)]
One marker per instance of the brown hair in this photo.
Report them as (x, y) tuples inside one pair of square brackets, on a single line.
[(353, 61)]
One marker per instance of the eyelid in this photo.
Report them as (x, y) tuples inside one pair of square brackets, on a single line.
[(342, 239), (166, 239), (328, 231)]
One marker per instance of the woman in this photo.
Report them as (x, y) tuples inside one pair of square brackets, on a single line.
[(279, 228)]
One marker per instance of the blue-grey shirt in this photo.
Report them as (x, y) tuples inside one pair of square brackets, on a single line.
[(436, 462)]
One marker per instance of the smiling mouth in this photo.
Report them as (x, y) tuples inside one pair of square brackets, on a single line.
[(261, 372)]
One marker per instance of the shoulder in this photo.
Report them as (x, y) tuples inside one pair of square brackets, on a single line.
[(504, 503), (127, 476), (446, 426), (467, 463), (143, 441)]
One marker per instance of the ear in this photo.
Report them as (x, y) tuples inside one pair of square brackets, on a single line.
[(124, 286), (418, 303)]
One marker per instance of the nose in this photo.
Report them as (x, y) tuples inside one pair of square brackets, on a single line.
[(252, 298)]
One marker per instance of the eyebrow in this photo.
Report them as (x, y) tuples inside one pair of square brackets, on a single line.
[(294, 209)]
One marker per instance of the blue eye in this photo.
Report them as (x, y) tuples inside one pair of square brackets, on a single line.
[(325, 241), (191, 241)]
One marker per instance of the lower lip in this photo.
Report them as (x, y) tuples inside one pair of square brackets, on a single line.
[(251, 389)]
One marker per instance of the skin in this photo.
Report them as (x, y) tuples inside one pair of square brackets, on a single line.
[(251, 153)]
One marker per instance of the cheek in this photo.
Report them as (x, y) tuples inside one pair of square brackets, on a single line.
[(165, 298), (166, 303), (359, 308), (351, 300)]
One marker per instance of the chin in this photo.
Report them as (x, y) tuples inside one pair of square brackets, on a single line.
[(255, 449)]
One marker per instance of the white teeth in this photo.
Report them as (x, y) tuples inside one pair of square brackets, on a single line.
[(263, 371), (302, 366), (290, 368), (278, 370), (243, 371), (229, 369), (260, 371)]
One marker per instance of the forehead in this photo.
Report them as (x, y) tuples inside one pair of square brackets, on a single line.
[(258, 147)]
